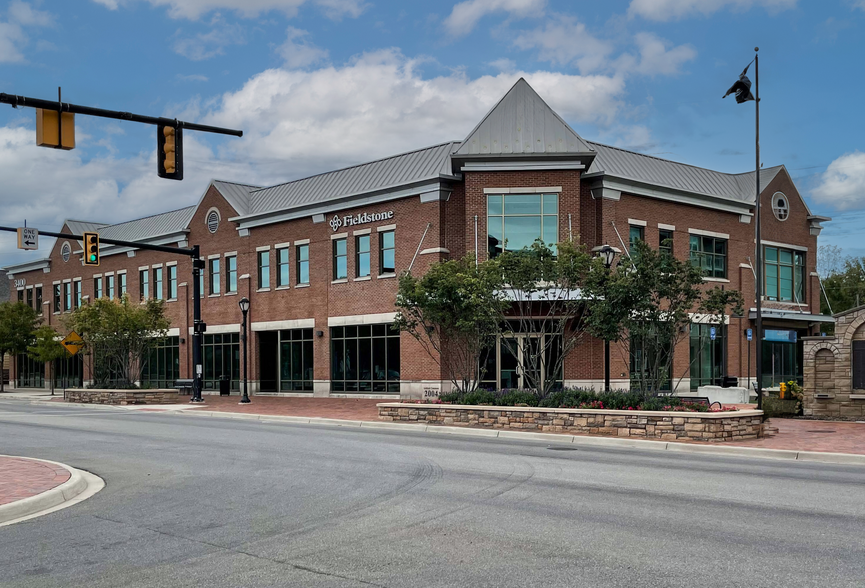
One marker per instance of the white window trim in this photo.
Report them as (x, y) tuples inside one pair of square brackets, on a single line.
[(714, 279), (703, 233), (637, 222), (281, 325), (303, 285), (230, 254), (340, 281), (361, 319), (782, 245), (362, 279), (385, 228), (263, 248), (361, 232), (339, 236), (385, 276), (170, 263), (543, 190), (214, 256), (302, 242), (664, 227), (143, 267), (121, 272), (285, 245)]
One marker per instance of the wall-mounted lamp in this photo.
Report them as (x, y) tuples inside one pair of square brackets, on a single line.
[(319, 333), (182, 340)]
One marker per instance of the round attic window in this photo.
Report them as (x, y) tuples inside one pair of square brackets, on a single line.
[(65, 251), (213, 220), (780, 206)]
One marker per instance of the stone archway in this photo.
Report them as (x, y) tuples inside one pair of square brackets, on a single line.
[(821, 377)]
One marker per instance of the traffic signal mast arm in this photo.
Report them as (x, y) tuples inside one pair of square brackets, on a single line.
[(16, 101)]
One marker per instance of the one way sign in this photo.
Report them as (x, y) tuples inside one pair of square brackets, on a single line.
[(28, 238)]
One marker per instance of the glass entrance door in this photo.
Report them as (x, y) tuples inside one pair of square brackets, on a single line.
[(526, 359)]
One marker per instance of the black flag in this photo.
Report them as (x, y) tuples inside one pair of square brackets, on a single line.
[(742, 88)]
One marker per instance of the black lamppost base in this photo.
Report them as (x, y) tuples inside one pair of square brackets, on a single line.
[(245, 400)]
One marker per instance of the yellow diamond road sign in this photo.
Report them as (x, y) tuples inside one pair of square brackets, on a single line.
[(73, 343)]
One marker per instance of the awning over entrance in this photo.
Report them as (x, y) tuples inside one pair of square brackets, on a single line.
[(791, 315)]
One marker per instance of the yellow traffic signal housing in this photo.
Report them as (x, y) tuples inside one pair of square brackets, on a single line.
[(169, 152), (50, 134), (91, 249)]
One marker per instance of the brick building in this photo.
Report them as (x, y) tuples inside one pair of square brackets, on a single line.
[(319, 257)]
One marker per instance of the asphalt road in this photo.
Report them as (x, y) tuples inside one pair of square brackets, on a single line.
[(214, 502)]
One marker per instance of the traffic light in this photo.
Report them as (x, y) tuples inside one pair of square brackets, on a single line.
[(51, 132), (169, 152), (91, 248)]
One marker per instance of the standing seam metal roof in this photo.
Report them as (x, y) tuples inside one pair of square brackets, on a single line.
[(399, 170), (165, 223), (237, 195), (638, 167)]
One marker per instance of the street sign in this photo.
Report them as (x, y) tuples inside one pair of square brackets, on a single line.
[(749, 333), (28, 238), (72, 342), (712, 333)]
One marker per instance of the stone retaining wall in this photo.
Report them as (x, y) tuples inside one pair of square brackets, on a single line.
[(666, 426), (124, 397)]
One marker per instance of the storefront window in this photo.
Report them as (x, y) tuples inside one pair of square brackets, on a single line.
[(31, 373), (515, 221), (364, 358), (163, 365), (706, 355), (710, 254), (221, 357), (69, 372), (785, 274), (296, 370)]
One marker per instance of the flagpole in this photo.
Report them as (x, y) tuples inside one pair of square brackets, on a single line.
[(759, 256)]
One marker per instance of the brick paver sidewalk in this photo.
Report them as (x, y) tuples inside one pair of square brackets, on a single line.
[(22, 478), (360, 409), (810, 435)]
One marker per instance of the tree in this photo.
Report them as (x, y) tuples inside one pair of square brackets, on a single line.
[(647, 300), (46, 349), (830, 260), (453, 311), (119, 337), (845, 289), (544, 287), (17, 323)]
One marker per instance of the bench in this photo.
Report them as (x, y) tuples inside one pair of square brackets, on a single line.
[(184, 386), (698, 400)]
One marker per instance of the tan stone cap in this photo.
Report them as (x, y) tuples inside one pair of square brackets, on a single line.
[(710, 415)]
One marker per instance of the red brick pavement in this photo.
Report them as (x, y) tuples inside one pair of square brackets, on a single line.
[(812, 435), (22, 478), (360, 409)]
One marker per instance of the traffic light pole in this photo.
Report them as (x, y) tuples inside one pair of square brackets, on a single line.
[(198, 326)]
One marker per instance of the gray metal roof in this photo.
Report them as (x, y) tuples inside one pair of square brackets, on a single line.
[(383, 174), (522, 123), (638, 167), (77, 227), (150, 226), (237, 195)]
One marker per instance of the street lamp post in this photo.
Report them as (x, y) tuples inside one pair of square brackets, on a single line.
[(244, 308), (607, 254)]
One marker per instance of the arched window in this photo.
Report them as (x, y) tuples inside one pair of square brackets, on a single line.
[(780, 206)]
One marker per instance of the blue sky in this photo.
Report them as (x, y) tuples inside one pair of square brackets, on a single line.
[(319, 84)]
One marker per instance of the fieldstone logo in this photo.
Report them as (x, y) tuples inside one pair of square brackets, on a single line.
[(359, 219)]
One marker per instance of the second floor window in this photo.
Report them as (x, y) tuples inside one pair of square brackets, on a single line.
[(302, 264), (361, 246), (157, 283), (515, 221), (636, 233), (56, 297), (214, 276), (231, 273), (665, 242), (785, 274), (97, 288), (340, 259), (386, 253), (77, 288), (109, 286), (172, 282), (67, 296), (710, 254), (263, 269), (282, 267), (121, 282), (39, 300), (30, 297), (144, 284)]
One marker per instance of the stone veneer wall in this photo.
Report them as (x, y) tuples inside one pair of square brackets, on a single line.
[(666, 426), (124, 397), (828, 370)]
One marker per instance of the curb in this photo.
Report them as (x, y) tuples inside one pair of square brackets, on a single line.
[(579, 440), (80, 486)]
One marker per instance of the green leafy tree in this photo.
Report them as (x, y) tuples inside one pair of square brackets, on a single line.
[(119, 336), (544, 286), (645, 303), (46, 348), (453, 311), (17, 323), (845, 289)]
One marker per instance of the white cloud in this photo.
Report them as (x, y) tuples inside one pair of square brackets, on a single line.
[(656, 57), (666, 10), (465, 15), (565, 41), (295, 123), (842, 185), (297, 51), (506, 65), (860, 4), (24, 14), (206, 45), (194, 9), (11, 38)]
